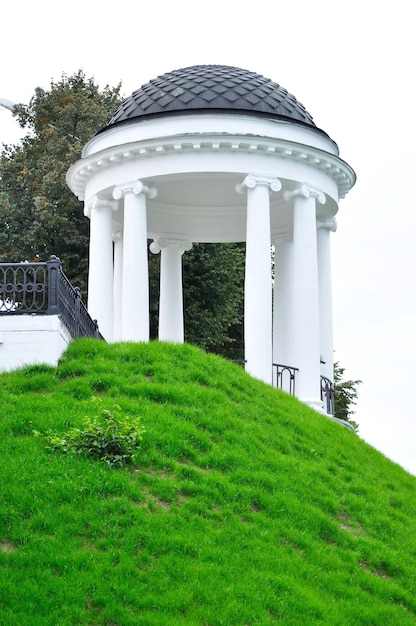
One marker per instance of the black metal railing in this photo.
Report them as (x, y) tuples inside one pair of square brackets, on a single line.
[(24, 288), (285, 377), (43, 289), (241, 362), (328, 395)]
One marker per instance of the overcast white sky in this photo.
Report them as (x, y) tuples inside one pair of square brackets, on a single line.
[(352, 65)]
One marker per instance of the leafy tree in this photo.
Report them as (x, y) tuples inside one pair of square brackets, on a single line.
[(39, 214), (213, 292), (214, 297), (346, 394)]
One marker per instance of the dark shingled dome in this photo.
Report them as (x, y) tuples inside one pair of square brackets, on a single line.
[(208, 88)]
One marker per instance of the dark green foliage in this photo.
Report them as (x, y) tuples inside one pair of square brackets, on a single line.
[(213, 293), (214, 297), (346, 394), (108, 436), (39, 214)]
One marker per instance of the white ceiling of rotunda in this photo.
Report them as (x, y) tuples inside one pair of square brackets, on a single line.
[(206, 207)]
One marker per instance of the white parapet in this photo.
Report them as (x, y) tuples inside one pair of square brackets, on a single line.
[(31, 339)]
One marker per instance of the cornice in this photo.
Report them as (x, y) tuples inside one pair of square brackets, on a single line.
[(80, 172)]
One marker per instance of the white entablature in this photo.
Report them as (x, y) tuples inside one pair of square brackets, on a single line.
[(216, 154), (278, 139)]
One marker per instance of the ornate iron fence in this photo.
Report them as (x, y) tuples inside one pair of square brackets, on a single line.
[(328, 395), (286, 377), (286, 380), (43, 289)]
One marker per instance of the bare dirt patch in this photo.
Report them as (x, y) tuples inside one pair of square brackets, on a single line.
[(7, 546), (349, 525)]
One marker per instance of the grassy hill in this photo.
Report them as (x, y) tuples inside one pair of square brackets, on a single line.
[(244, 507)]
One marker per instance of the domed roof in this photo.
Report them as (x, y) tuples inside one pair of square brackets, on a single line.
[(208, 88)]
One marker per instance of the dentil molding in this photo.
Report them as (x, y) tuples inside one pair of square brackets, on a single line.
[(83, 170)]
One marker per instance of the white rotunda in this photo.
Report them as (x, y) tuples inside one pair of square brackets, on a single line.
[(217, 154)]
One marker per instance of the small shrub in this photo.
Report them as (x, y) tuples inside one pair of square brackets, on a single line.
[(109, 436)]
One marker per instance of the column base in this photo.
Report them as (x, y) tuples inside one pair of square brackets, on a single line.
[(315, 404), (341, 422)]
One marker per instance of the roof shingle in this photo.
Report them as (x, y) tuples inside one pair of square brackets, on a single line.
[(206, 88)]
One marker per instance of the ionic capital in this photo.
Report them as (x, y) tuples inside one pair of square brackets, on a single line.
[(164, 241), (252, 181), (99, 203), (305, 191), (327, 224), (136, 187)]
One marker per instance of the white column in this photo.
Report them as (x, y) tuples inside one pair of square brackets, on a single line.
[(118, 282), (100, 273), (325, 227), (171, 325), (135, 284), (282, 318), (305, 339), (258, 277)]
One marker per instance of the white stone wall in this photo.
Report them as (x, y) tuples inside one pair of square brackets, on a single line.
[(31, 339)]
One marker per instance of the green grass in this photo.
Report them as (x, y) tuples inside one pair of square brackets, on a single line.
[(245, 507)]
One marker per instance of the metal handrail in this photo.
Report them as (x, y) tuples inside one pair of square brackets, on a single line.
[(286, 373), (43, 289), (328, 395)]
